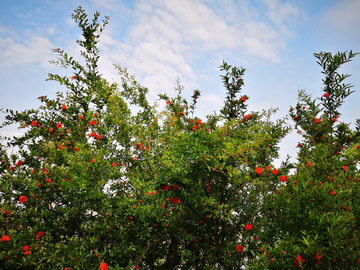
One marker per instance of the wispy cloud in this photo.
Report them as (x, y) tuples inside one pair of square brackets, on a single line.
[(168, 36), (36, 49), (344, 17)]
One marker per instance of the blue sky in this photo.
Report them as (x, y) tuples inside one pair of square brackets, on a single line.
[(158, 40)]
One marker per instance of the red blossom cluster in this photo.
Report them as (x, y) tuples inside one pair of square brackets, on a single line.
[(19, 163), (259, 170), (22, 199), (40, 234), (283, 178), (175, 200), (239, 248), (5, 238), (26, 250), (104, 266), (95, 135), (297, 260), (318, 257)]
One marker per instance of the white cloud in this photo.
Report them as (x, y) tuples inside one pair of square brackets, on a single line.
[(209, 103), (169, 36), (71, 22), (344, 16), (280, 13), (37, 49), (112, 5)]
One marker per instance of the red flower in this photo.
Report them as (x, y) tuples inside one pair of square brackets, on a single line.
[(317, 120), (5, 238), (113, 164), (168, 102), (166, 187), (175, 187), (49, 180), (73, 77), (22, 199), (39, 184), (92, 123), (332, 193), (317, 257), (40, 234), (276, 190), (50, 129), (247, 116), (255, 238), (346, 208), (325, 95), (59, 125), (92, 160), (19, 163), (27, 253), (258, 170), (81, 117), (34, 123), (243, 99), (76, 149), (195, 128), (103, 266), (308, 164), (248, 226), (275, 171), (174, 200), (26, 248), (298, 259), (98, 137), (345, 168), (283, 178), (239, 248), (63, 107), (199, 121)]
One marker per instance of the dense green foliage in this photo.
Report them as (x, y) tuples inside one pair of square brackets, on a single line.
[(95, 185)]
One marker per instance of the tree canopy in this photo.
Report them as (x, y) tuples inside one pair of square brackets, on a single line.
[(96, 186)]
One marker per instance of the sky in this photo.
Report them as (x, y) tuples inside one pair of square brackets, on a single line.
[(160, 40)]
